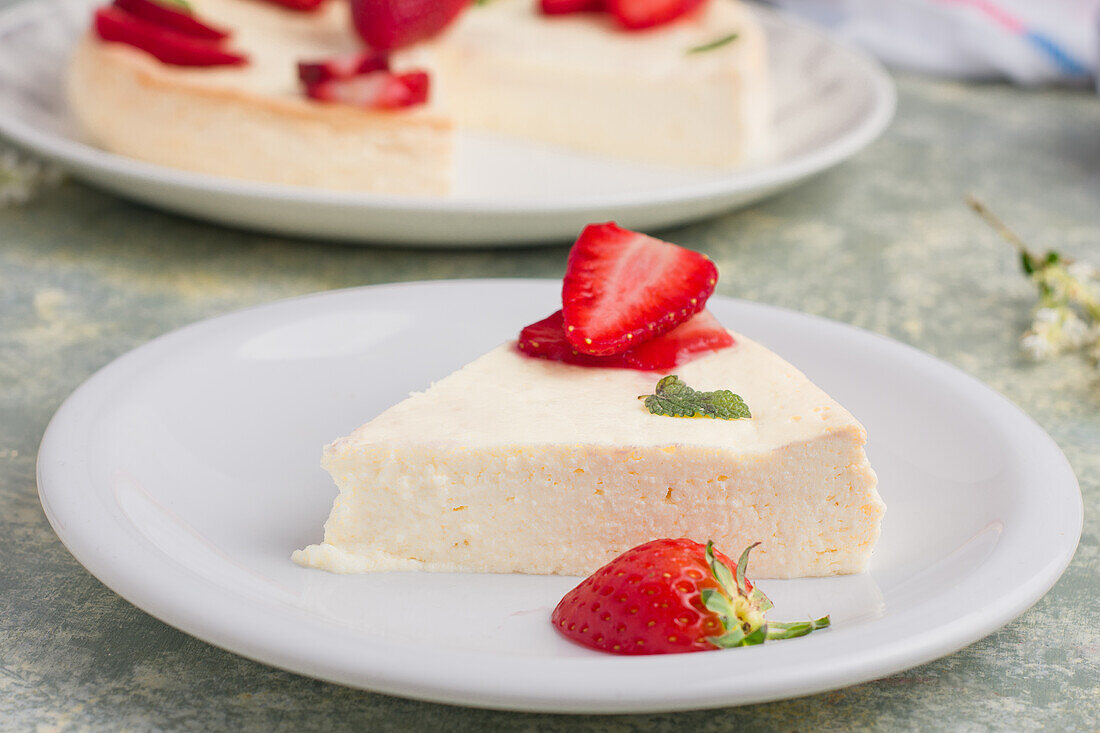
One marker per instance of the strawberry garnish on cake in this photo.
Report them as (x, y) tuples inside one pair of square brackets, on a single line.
[(643, 14), (375, 90), (668, 596), (546, 339), (390, 24), (622, 288), (342, 67), (365, 79), (696, 337), (629, 301), (165, 36), (633, 15), (561, 7), (167, 31), (171, 17)]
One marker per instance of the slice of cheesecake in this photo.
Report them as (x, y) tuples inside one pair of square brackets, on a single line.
[(516, 464), (574, 81)]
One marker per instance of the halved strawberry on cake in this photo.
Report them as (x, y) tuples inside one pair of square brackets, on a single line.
[(543, 457), (685, 86)]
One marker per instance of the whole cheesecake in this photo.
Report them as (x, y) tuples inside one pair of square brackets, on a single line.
[(518, 464), (574, 81)]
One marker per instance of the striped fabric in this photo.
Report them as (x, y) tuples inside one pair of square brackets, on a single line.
[(1026, 41)]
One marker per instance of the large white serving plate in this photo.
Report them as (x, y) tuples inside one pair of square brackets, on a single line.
[(184, 474), (831, 101)]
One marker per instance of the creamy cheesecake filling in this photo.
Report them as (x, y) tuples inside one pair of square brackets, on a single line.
[(570, 509), (514, 464)]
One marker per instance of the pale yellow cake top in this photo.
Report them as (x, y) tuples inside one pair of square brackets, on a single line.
[(506, 398)]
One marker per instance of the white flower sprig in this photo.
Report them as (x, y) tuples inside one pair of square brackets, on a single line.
[(22, 177), (1067, 316)]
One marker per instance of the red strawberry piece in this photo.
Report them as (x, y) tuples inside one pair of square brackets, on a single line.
[(671, 595), (389, 24), (376, 90), (342, 67), (115, 24), (699, 336), (561, 7), (639, 14), (300, 5), (173, 18), (622, 288), (546, 340)]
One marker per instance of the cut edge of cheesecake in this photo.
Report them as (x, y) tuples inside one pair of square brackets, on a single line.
[(129, 103), (547, 499)]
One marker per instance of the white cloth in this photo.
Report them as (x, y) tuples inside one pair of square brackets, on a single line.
[(1026, 41)]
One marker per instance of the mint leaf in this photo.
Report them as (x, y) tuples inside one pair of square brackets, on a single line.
[(716, 43), (673, 398)]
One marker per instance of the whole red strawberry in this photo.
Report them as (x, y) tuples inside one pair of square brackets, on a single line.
[(671, 595), (389, 24)]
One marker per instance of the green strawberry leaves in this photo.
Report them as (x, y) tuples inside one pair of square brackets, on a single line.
[(741, 609)]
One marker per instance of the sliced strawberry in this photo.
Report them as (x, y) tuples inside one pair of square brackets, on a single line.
[(561, 7), (698, 337), (376, 90), (622, 288), (639, 14), (342, 67), (546, 340), (115, 24), (301, 5), (174, 18), (389, 24)]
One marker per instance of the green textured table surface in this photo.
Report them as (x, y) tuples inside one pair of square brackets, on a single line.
[(883, 242)]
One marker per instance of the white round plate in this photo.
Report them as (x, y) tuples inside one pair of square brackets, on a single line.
[(184, 474), (831, 101)]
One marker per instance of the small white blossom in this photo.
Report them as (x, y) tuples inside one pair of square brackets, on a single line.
[(1082, 271), (1078, 291), (1046, 315), (1075, 332), (1036, 346), (1067, 316), (22, 177), (1054, 331)]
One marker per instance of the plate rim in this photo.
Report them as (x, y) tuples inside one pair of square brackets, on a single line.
[(192, 616), (78, 157)]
